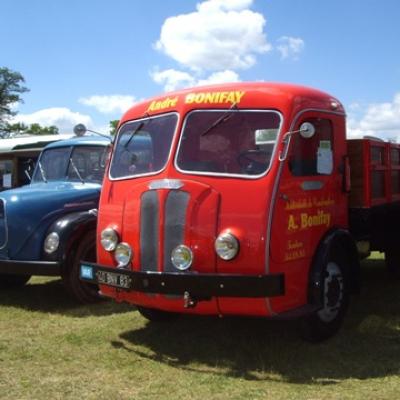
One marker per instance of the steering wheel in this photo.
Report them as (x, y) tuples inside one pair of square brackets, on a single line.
[(249, 161)]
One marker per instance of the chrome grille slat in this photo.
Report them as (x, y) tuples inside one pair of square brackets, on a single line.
[(175, 221), (149, 231)]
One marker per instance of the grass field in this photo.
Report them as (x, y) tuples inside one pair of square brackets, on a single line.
[(51, 348)]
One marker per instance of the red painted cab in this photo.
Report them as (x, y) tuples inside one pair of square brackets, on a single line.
[(230, 200)]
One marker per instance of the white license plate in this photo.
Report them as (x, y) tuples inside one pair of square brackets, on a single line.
[(114, 279)]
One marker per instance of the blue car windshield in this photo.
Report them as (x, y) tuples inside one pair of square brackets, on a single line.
[(79, 163)]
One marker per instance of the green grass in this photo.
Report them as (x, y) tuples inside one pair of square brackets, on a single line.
[(50, 348)]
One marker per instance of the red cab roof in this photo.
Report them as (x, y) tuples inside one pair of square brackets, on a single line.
[(286, 98)]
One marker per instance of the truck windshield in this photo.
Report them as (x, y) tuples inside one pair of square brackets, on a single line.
[(143, 146), (79, 163), (228, 142)]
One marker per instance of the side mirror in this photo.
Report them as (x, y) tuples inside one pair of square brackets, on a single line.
[(80, 130), (307, 130)]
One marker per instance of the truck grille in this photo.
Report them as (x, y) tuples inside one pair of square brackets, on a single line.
[(149, 231), (175, 208)]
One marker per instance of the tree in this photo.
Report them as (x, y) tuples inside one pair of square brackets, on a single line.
[(36, 129), (11, 130), (113, 127), (11, 89)]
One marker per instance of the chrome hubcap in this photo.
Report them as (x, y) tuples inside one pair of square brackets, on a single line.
[(333, 293)]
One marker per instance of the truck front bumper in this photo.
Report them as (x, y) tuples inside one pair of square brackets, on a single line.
[(200, 286), (45, 268)]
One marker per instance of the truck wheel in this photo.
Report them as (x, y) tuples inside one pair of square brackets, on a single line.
[(325, 322), (156, 315), (13, 281), (86, 250), (392, 261)]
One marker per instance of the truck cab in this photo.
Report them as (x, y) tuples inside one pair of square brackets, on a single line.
[(46, 227), (230, 200)]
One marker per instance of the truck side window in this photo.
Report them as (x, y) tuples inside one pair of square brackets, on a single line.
[(304, 153)]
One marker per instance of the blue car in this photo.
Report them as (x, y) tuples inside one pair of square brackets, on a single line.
[(48, 226)]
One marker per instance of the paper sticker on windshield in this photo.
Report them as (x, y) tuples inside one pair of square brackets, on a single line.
[(266, 136), (325, 144), (324, 158)]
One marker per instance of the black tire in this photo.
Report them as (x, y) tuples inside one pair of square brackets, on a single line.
[(85, 250), (154, 315), (13, 281), (326, 322), (392, 261)]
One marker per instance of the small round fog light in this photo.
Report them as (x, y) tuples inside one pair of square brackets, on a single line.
[(109, 239), (51, 243), (182, 257), (226, 246), (123, 254)]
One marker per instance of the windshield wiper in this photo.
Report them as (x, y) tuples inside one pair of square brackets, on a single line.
[(42, 171), (223, 118), (76, 170), (137, 129)]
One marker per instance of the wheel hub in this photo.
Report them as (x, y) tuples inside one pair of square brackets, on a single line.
[(333, 292)]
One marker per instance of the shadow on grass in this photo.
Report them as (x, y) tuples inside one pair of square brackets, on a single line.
[(50, 295), (368, 345)]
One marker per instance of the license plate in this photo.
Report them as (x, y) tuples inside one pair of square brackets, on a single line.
[(114, 279)]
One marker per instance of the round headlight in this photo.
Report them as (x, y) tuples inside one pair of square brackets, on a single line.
[(226, 246), (51, 242), (109, 239), (123, 254), (182, 257)]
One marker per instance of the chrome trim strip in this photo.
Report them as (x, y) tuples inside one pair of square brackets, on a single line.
[(312, 185), (171, 184), (218, 174)]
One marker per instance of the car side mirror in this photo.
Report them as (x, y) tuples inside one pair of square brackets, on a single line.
[(80, 130), (307, 130)]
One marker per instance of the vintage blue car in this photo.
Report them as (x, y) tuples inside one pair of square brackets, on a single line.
[(46, 227)]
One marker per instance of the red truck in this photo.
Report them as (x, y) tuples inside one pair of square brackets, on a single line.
[(236, 199)]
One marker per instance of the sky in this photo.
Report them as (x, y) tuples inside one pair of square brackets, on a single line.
[(88, 61)]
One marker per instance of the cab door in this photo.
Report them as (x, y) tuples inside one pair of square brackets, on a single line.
[(310, 199)]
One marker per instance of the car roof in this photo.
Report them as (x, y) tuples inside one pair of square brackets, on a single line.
[(81, 141)]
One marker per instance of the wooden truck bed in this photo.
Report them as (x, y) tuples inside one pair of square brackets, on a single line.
[(374, 199), (375, 172)]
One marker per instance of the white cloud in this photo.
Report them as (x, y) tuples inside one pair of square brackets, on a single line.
[(217, 5), (220, 35), (379, 119), (109, 104), (62, 117), (220, 77), (290, 47), (173, 79)]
